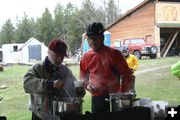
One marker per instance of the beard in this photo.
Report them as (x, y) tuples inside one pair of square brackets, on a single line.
[(54, 62)]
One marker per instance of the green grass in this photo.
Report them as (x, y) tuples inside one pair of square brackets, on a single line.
[(157, 85), (150, 63), (14, 104)]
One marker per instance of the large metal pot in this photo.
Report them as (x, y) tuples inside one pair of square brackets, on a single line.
[(68, 105), (120, 101)]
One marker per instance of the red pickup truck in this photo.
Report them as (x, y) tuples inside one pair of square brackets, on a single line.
[(139, 48)]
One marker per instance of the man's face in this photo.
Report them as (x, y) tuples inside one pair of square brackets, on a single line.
[(55, 59), (95, 43)]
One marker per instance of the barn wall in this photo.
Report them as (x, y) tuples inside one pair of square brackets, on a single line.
[(168, 12), (138, 25)]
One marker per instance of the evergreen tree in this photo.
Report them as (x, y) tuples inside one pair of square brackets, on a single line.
[(87, 13), (112, 11), (68, 23), (7, 33), (25, 29), (45, 27), (73, 28), (75, 33), (59, 21)]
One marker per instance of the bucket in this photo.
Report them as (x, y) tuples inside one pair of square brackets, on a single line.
[(145, 102), (160, 108)]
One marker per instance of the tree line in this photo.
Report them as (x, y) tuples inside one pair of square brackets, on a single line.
[(68, 22)]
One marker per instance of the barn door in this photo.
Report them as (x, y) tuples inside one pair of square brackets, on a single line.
[(34, 52)]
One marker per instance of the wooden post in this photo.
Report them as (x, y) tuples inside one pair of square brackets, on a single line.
[(170, 44)]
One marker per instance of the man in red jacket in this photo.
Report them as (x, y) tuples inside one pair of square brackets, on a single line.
[(101, 69)]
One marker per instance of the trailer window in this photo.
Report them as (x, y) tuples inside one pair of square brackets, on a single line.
[(15, 48)]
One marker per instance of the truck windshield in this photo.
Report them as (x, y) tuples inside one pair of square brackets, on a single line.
[(137, 41)]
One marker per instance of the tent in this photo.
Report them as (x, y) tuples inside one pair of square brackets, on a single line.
[(29, 52), (32, 50)]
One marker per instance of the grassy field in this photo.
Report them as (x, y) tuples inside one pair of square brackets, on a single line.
[(153, 80)]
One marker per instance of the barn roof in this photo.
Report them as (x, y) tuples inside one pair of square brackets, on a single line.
[(136, 8)]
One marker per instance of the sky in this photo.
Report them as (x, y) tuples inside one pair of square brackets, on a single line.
[(10, 9)]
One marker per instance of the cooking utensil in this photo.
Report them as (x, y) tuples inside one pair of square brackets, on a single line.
[(67, 92)]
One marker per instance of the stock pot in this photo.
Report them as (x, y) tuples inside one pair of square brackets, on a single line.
[(120, 101), (67, 105)]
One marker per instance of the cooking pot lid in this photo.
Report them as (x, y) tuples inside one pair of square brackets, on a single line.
[(122, 95), (71, 99)]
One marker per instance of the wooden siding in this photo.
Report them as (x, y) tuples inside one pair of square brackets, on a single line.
[(168, 12), (138, 25)]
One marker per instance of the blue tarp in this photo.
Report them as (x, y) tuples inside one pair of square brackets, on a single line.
[(85, 46), (107, 38)]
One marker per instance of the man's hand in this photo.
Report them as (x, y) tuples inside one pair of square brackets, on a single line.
[(90, 88), (58, 84)]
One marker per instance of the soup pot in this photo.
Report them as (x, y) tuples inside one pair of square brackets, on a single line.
[(120, 101), (67, 105)]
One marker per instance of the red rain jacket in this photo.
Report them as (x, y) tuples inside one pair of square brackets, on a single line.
[(102, 68)]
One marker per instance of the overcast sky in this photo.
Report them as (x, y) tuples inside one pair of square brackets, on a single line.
[(34, 8)]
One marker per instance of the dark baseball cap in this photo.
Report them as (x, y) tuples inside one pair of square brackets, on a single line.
[(95, 29), (58, 46)]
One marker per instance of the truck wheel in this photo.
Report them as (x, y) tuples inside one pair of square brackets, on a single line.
[(153, 56), (137, 54), (153, 50)]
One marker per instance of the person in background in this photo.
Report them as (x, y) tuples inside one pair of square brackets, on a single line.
[(101, 69), (175, 69), (132, 62), (48, 80)]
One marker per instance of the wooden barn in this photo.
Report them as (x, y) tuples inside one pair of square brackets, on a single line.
[(157, 21)]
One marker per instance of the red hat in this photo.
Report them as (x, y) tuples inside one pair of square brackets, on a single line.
[(58, 47)]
